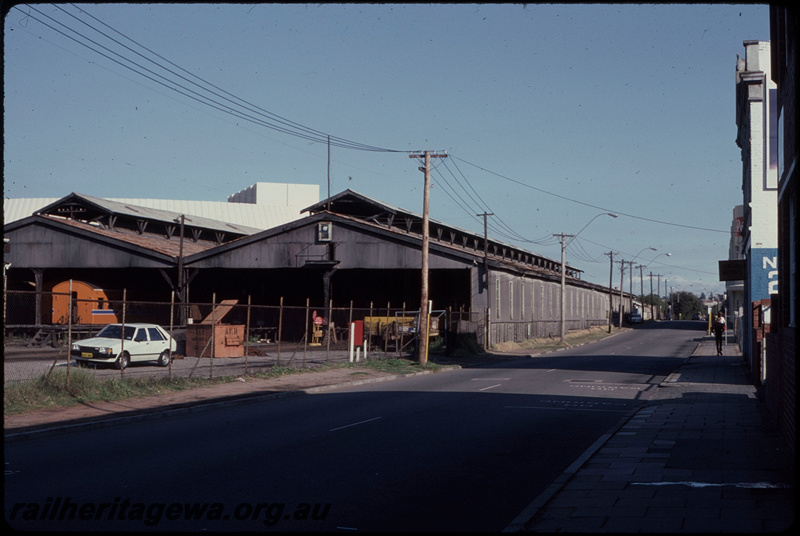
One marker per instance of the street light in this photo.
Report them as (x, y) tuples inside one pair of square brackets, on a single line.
[(641, 282), (563, 265), (651, 284), (630, 284)]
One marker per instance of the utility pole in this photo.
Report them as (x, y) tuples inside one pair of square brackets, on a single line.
[(621, 280), (658, 291), (562, 236), (181, 291), (329, 178), (610, 290), (651, 297), (641, 289), (486, 253), (424, 310), (630, 284)]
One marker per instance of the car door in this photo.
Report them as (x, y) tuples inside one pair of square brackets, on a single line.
[(140, 349), (158, 340)]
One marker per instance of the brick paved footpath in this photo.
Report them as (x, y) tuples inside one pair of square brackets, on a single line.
[(699, 457)]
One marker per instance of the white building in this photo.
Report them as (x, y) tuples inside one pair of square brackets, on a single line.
[(734, 289), (262, 206), (756, 119)]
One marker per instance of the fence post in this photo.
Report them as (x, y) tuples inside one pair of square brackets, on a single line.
[(350, 317), (388, 324), (280, 330), (328, 331), (171, 328), (69, 331), (122, 334), (305, 334), (213, 339), (247, 334), (400, 329), (371, 320)]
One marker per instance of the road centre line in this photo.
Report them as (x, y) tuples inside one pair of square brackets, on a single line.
[(566, 408), (354, 424), (490, 387), (490, 379), (746, 485)]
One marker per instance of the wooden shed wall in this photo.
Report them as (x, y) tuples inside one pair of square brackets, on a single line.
[(43, 246)]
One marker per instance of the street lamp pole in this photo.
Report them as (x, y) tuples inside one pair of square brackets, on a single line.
[(651, 284), (631, 276), (564, 245)]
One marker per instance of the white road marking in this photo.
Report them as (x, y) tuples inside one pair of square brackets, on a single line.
[(490, 379), (354, 424), (491, 387), (750, 485), (571, 408)]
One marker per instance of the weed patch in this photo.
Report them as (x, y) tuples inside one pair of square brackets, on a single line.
[(54, 390)]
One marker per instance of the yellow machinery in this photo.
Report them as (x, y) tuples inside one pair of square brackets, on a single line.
[(394, 327)]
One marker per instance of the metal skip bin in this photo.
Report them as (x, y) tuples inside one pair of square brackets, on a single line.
[(228, 338)]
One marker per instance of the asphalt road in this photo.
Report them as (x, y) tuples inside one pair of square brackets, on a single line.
[(465, 450)]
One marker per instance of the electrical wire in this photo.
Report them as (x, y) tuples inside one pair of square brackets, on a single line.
[(578, 251), (470, 205), (515, 181), (242, 109), (228, 103)]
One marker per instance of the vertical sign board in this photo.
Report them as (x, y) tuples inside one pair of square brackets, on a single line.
[(763, 272)]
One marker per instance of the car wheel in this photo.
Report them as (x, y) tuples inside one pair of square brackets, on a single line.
[(123, 361), (163, 359)]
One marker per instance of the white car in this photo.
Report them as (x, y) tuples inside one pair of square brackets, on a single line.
[(636, 318), (142, 342)]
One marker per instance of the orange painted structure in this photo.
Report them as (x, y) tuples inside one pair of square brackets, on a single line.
[(90, 305)]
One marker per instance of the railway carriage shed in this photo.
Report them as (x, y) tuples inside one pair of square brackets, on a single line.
[(349, 249)]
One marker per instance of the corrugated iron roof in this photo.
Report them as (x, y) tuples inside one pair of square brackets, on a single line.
[(244, 215), (140, 212), (157, 243)]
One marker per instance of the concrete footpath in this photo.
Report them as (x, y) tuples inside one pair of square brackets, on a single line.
[(700, 457)]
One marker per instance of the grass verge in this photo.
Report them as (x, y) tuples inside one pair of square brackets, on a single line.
[(85, 387), (573, 338)]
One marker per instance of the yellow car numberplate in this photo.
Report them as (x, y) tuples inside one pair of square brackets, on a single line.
[(86, 354)]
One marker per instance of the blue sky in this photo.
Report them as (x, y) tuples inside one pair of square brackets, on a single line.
[(550, 115)]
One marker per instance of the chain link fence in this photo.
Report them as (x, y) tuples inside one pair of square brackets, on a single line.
[(217, 339)]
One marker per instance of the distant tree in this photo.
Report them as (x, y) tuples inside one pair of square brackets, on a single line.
[(685, 305)]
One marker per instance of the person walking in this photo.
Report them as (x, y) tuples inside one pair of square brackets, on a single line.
[(718, 328)]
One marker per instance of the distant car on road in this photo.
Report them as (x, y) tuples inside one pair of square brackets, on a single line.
[(636, 318), (142, 342)]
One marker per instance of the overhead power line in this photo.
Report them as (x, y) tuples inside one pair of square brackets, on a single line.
[(174, 77), (589, 204), (195, 88)]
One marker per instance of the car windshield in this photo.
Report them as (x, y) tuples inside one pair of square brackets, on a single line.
[(114, 331)]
